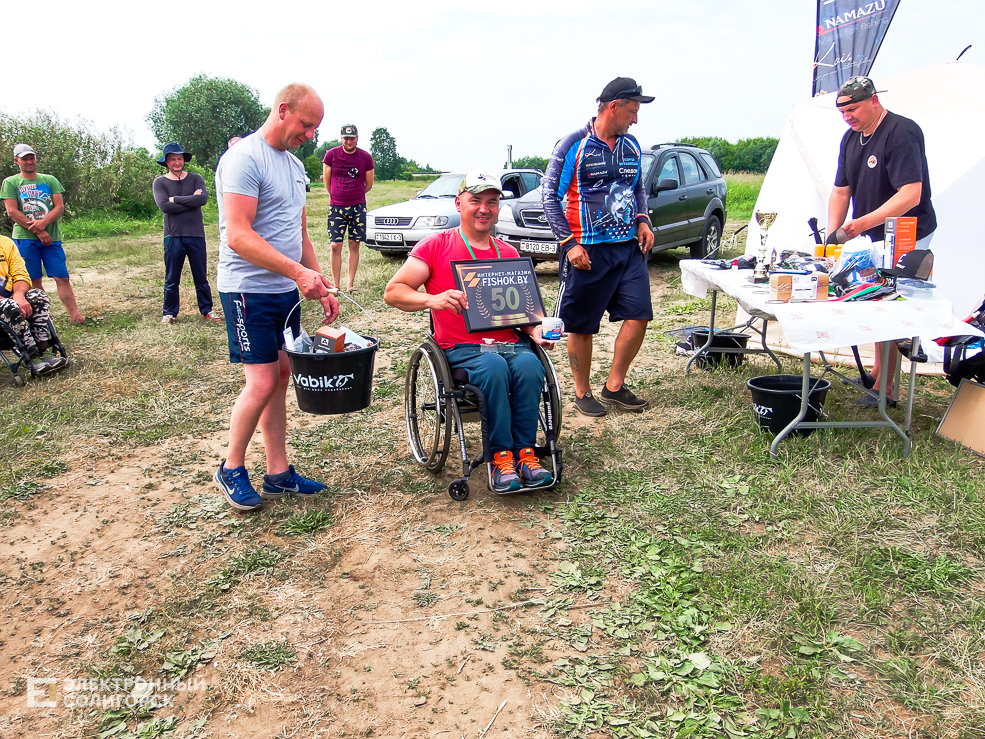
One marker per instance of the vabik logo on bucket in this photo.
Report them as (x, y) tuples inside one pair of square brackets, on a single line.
[(335, 382)]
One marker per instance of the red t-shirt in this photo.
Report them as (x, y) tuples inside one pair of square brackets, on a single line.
[(348, 183), (439, 251)]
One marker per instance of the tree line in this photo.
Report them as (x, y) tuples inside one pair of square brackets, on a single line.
[(745, 155), (105, 171)]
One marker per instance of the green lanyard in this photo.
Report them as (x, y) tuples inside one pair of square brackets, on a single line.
[(467, 246)]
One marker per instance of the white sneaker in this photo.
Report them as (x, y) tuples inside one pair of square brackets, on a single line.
[(167, 320)]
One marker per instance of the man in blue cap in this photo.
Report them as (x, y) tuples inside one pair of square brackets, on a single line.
[(180, 195)]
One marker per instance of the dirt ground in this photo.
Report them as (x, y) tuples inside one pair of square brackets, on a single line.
[(103, 551)]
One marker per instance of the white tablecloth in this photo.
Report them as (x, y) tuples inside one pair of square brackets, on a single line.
[(828, 325)]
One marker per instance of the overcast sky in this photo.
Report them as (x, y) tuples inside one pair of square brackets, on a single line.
[(455, 83)]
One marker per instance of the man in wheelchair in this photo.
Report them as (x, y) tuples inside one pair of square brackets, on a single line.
[(504, 368), (25, 311)]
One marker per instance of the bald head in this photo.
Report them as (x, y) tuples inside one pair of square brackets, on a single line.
[(295, 115), (294, 94)]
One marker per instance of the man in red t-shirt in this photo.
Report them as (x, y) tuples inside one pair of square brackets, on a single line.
[(511, 378), (347, 172)]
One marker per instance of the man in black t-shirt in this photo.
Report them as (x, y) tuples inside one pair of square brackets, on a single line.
[(882, 171)]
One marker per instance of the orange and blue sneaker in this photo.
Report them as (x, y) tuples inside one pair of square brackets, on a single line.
[(531, 473), (504, 477)]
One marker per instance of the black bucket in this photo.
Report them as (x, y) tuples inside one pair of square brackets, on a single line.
[(722, 339), (340, 382), (776, 401)]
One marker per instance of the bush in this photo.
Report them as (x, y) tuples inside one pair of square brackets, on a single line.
[(313, 166), (745, 155), (99, 171)]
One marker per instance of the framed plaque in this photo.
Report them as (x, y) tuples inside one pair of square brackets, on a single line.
[(501, 293)]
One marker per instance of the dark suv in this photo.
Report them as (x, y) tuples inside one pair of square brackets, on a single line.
[(686, 196)]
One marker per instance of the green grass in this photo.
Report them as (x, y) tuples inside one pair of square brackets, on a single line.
[(743, 189), (689, 585)]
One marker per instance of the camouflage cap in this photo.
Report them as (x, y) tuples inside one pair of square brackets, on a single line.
[(349, 130), (856, 90), (479, 180)]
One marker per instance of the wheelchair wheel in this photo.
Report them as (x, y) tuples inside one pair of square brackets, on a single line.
[(554, 387), (459, 490), (18, 381), (428, 415)]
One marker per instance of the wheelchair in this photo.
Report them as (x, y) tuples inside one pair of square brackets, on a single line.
[(438, 402), (11, 343)]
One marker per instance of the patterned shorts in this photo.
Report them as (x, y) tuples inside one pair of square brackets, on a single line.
[(33, 329), (351, 217)]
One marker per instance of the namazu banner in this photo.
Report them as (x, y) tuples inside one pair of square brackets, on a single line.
[(849, 34)]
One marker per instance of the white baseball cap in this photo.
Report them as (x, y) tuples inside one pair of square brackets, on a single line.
[(22, 150)]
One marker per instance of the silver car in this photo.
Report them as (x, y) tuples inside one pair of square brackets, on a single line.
[(396, 229)]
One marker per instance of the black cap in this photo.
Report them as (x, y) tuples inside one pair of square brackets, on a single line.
[(349, 130), (916, 264), (856, 90), (623, 88)]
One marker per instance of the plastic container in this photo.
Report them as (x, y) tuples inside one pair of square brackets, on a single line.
[(327, 384), (723, 339), (776, 401), (915, 289)]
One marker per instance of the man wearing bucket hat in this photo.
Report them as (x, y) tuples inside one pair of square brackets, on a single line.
[(604, 234), (510, 378), (882, 172), (348, 175), (180, 195), (34, 203), (265, 258)]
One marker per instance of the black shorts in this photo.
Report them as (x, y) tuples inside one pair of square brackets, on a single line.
[(618, 282), (343, 217)]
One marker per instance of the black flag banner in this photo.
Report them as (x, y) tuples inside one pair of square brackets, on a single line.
[(849, 34)]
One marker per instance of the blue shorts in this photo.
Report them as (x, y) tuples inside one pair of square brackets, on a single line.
[(35, 254), (618, 282), (255, 324)]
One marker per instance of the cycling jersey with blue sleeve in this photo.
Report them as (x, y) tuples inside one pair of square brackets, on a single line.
[(603, 188)]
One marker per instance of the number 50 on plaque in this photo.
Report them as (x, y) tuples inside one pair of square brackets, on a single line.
[(502, 293)]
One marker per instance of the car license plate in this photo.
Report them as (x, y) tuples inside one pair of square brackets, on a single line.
[(390, 238), (539, 247)]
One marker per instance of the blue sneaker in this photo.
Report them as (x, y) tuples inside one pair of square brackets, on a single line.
[(235, 485), (293, 484)]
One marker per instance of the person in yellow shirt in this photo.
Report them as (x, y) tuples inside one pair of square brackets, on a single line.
[(25, 310)]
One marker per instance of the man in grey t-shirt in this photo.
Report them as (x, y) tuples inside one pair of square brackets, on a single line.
[(265, 257)]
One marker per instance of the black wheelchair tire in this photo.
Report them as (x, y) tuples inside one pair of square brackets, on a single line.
[(459, 490), (427, 415)]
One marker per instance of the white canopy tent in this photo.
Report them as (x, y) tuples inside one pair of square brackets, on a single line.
[(948, 102)]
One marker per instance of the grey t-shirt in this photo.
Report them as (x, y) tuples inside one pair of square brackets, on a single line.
[(276, 179)]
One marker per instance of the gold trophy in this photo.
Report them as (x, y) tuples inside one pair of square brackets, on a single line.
[(764, 220)]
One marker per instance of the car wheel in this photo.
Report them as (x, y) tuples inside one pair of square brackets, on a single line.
[(711, 240)]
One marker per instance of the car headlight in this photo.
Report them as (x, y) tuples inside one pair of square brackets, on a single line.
[(431, 222), (506, 214), (370, 220)]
